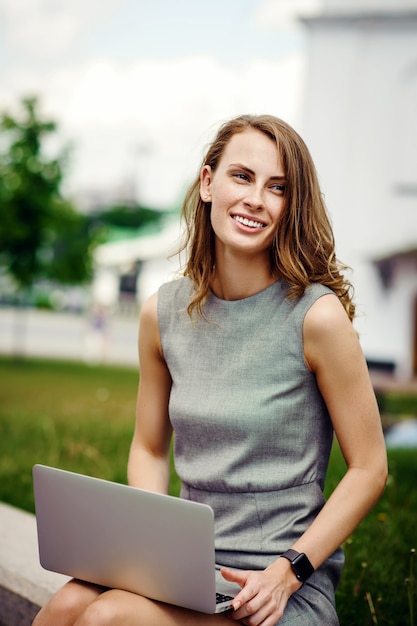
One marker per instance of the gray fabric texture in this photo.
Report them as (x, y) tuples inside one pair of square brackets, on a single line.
[(252, 433)]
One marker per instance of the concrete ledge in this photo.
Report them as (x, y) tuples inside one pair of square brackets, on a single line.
[(24, 585), (15, 610)]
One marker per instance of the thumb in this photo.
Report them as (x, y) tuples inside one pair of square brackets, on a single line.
[(235, 576)]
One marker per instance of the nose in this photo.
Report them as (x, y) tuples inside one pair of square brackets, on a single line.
[(255, 198)]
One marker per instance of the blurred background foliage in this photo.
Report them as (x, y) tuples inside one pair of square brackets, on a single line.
[(43, 234)]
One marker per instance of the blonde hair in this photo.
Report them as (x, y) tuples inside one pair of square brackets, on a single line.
[(303, 250)]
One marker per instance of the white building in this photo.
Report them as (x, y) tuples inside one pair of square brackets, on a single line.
[(141, 263), (361, 127)]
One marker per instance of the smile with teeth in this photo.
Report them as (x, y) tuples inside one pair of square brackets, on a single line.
[(247, 222)]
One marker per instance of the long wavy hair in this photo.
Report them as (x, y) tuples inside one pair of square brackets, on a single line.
[(303, 249)]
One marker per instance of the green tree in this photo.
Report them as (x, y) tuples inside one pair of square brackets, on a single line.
[(134, 216), (41, 234)]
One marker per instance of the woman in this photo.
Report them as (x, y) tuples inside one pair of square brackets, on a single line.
[(252, 360)]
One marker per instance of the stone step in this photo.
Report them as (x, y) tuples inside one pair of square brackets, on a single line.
[(24, 585)]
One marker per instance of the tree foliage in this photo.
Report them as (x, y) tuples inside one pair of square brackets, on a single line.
[(41, 233), (134, 217)]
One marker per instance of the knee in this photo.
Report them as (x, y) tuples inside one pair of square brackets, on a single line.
[(60, 609), (115, 607), (103, 611), (66, 605)]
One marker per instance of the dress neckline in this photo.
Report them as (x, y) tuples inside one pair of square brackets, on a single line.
[(259, 293)]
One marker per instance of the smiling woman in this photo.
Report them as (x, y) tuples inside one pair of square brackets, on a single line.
[(302, 249), (252, 361), (246, 200)]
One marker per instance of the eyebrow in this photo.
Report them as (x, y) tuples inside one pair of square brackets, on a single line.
[(247, 169)]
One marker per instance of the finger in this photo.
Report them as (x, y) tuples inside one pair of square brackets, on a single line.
[(264, 617), (269, 614), (248, 594), (255, 607), (239, 577), (236, 576)]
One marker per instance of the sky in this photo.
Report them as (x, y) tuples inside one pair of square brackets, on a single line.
[(138, 88)]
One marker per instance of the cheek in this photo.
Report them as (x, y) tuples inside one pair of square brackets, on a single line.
[(225, 194), (278, 212), (217, 217), (222, 199)]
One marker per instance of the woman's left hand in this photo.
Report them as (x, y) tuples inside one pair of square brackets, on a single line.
[(264, 594)]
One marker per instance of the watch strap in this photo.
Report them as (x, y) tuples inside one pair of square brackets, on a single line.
[(290, 554), (300, 564)]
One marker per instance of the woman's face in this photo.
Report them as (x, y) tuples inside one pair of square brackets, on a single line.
[(247, 193)]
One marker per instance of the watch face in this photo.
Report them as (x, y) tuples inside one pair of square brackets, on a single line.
[(302, 567)]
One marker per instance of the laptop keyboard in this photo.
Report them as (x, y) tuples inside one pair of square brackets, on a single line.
[(222, 598)]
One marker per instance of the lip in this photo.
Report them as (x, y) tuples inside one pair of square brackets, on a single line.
[(251, 218)]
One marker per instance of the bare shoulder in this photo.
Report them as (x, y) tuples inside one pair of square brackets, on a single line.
[(325, 314), (149, 310), (149, 336), (327, 328)]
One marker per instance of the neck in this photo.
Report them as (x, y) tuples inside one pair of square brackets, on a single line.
[(235, 278)]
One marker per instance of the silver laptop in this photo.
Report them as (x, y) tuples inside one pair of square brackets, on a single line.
[(121, 537)]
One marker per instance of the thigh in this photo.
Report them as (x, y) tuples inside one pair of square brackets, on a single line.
[(309, 605), (122, 608)]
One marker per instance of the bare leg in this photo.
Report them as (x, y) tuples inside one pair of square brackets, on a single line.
[(67, 604), (121, 608)]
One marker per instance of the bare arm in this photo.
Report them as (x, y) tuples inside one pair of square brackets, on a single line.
[(148, 466), (332, 352)]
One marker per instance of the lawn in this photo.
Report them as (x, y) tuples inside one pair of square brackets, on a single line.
[(81, 418)]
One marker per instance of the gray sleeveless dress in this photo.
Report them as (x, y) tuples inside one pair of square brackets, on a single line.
[(252, 433)]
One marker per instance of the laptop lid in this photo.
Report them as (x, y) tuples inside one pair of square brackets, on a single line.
[(118, 536)]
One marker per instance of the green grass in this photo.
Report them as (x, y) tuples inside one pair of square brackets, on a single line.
[(81, 418), (65, 414), (378, 553)]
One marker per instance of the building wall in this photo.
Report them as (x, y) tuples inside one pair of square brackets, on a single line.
[(360, 122)]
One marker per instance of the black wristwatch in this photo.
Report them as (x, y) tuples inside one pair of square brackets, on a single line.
[(300, 564)]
